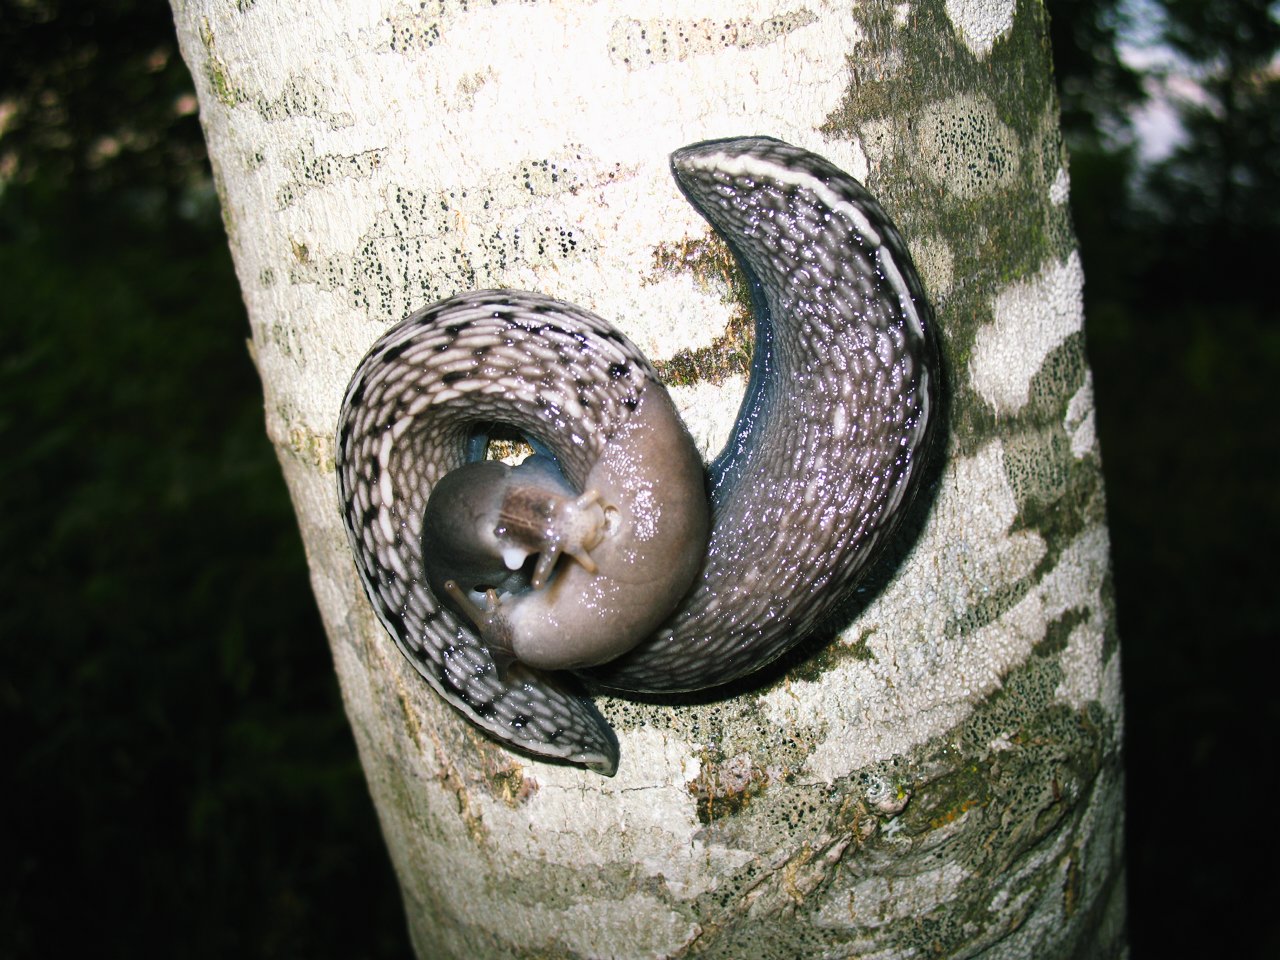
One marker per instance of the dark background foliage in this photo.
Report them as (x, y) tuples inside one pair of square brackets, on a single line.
[(179, 775)]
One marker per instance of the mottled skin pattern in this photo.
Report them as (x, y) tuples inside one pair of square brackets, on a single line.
[(826, 452), (418, 398), (828, 444)]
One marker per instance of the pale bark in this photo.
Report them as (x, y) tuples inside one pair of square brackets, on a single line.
[(943, 778)]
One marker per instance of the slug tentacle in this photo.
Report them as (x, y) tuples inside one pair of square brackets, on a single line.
[(617, 556)]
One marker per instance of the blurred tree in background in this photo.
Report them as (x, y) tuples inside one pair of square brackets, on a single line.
[(1184, 339), (1218, 193), (180, 777)]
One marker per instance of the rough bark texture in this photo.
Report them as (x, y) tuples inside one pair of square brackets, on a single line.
[(942, 779)]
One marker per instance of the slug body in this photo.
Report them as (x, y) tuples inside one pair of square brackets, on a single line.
[(615, 555)]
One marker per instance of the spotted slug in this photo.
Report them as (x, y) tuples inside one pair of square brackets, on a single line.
[(612, 557)]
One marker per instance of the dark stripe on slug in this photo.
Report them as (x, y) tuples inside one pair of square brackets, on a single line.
[(344, 438), (396, 621), (354, 401), (395, 351)]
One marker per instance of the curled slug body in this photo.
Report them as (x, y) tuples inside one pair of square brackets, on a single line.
[(616, 556)]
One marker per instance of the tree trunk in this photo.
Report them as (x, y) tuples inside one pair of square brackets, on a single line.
[(944, 777)]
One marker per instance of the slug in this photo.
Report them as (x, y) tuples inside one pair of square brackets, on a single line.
[(613, 555)]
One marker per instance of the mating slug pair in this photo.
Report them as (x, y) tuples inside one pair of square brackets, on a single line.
[(614, 553)]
